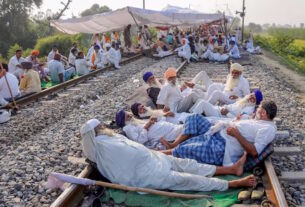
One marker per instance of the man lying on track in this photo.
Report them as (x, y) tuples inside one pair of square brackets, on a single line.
[(225, 142), (245, 106), (128, 163), (143, 112), (147, 132)]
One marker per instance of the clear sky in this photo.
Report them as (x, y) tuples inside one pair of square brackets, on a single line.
[(258, 11)]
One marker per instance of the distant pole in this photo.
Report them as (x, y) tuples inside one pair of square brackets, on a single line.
[(143, 4), (243, 21)]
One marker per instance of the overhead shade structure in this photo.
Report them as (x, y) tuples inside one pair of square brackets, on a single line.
[(190, 17), (113, 21)]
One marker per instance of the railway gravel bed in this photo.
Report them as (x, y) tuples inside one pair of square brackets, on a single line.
[(44, 137), (47, 137), (291, 116)]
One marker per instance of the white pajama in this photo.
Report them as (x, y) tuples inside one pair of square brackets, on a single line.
[(210, 110), (202, 78), (216, 91), (112, 57), (206, 108), (185, 52), (151, 169), (160, 129)]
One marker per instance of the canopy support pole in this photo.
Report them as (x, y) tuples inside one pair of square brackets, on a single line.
[(138, 27)]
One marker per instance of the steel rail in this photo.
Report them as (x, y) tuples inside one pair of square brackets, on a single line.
[(34, 97), (73, 195)]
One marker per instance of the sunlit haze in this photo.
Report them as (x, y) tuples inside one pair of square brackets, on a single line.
[(258, 11)]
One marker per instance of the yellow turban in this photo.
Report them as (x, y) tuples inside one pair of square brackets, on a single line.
[(236, 67), (170, 72)]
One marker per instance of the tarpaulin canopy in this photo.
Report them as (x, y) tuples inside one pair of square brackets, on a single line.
[(114, 20), (118, 19), (191, 17)]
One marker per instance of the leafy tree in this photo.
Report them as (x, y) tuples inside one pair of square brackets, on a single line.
[(95, 9), (15, 23), (255, 28)]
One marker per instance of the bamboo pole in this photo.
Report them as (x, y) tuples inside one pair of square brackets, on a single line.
[(151, 191), (8, 86)]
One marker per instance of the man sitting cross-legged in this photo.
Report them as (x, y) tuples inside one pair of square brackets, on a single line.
[(225, 142), (237, 86), (147, 132), (198, 85), (126, 162), (170, 94)]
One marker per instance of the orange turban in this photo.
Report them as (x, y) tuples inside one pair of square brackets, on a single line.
[(35, 52), (170, 72)]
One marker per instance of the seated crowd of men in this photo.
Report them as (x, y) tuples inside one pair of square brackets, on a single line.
[(204, 43), (188, 134), (24, 75)]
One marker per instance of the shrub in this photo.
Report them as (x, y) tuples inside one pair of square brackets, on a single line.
[(63, 42), (12, 50), (27, 52)]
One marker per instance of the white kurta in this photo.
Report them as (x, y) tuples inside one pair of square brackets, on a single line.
[(3, 102), (234, 52), (51, 56), (158, 130), (118, 55), (112, 57), (179, 118), (12, 66), (13, 82), (100, 60), (185, 52), (89, 54), (71, 59), (258, 132), (82, 66), (170, 96), (151, 169), (216, 91)]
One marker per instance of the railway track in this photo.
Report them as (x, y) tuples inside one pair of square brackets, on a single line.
[(70, 83), (74, 194)]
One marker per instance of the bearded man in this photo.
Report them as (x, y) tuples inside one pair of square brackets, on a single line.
[(154, 86), (185, 50), (198, 85), (245, 106), (143, 112), (146, 168), (225, 142), (236, 87), (147, 132), (171, 96)]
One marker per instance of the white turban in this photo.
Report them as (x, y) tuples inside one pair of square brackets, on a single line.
[(236, 67), (107, 45), (88, 134)]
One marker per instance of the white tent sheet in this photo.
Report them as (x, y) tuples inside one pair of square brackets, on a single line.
[(118, 19), (112, 21)]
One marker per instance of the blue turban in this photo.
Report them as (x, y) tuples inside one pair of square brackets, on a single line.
[(232, 42), (120, 118), (146, 76), (135, 109), (258, 96), (96, 46)]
